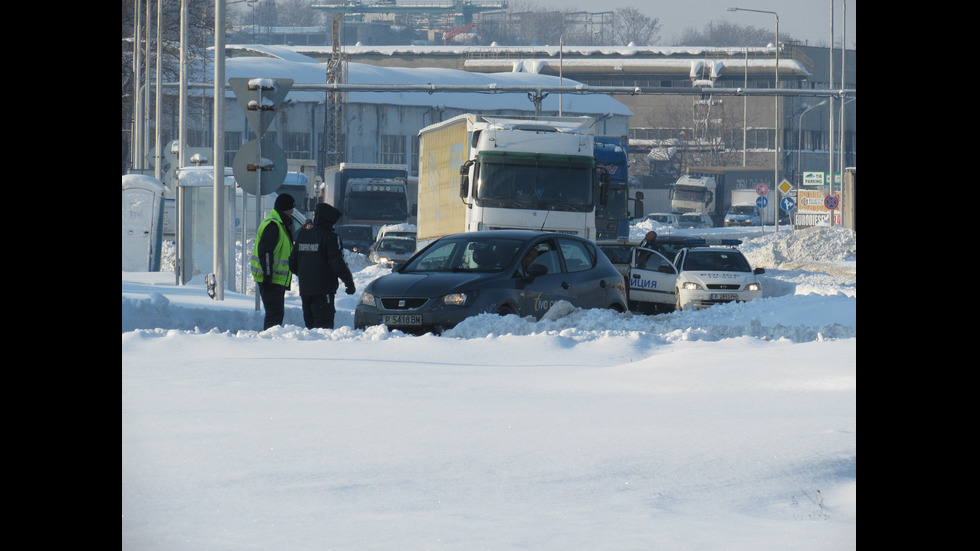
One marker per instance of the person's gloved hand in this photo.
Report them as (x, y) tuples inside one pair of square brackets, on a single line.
[(350, 290)]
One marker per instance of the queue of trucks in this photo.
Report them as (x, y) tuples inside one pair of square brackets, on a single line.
[(479, 172), (713, 191)]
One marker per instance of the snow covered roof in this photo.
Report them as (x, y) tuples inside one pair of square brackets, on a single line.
[(284, 62)]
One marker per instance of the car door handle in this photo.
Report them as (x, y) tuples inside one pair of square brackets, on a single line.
[(564, 285), (602, 283)]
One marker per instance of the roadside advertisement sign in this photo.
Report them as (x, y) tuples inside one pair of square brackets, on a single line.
[(812, 208)]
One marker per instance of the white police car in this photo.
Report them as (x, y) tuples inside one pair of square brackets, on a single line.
[(713, 275), (703, 272)]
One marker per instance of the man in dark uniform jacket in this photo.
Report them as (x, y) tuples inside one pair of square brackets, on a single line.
[(318, 262)]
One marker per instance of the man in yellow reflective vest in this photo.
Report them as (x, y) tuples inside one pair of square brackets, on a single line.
[(270, 259)]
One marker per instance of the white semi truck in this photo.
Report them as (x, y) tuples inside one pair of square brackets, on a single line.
[(481, 172)]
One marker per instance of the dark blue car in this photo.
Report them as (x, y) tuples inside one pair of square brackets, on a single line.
[(500, 271)]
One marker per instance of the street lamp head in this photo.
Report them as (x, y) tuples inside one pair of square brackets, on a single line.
[(731, 9)]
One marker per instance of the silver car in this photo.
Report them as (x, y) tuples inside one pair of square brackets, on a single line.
[(391, 252)]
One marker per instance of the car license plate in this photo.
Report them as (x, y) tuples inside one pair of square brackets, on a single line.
[(723, 296), (401, 319)]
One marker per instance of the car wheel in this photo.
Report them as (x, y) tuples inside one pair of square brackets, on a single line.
[(506, 309), (677, 300)]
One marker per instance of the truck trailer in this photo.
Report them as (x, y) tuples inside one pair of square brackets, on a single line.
[(480, 172), (371, 194), (709, 189)]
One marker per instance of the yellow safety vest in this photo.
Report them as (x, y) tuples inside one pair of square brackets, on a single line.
[(280, 257)]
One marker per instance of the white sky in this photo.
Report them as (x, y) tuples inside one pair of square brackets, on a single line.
[(806, 20)]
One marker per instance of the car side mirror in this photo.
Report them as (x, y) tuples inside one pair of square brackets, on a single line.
[(535, 270), (758, 271)]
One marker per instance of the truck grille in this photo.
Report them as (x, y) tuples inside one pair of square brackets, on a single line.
[(402, 303)]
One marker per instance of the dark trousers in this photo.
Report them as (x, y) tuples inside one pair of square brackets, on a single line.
[(273, 299), (318, 311)]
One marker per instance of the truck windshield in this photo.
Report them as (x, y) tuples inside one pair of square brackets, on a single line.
[(616, 204), (689, 194), (376, 199), (535, 181)]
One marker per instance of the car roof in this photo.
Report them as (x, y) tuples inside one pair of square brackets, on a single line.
[(512, 234), (716, 249), (607, 242)]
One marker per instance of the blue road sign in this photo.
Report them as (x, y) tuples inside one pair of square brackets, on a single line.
[(830, 202), (787, 204)]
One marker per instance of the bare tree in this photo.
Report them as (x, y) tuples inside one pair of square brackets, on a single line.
[(729, 34), (633, 26), (299, 13)]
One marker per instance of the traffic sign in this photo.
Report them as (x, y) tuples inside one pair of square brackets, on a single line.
[(260, 176), (762, 189), (785, 187), (260, 98), (787, 203), (830, 202), (762, 201)]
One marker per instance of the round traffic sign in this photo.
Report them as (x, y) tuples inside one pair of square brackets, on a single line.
[(830, 202), (762, 201), (762, 188), (787, 203)]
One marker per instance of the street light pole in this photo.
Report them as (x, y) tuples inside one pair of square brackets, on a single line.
[(775, 167), (561, 63), (799, 143)]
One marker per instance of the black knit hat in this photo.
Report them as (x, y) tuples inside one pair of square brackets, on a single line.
[(285, 202)]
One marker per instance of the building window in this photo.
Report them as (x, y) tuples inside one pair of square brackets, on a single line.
[(233, 142), (414, 169), (296, 145), (393, 150)]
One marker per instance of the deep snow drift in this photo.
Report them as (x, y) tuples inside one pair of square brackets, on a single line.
[(732, 427)]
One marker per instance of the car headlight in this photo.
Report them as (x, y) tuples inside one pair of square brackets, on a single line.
[(455, 299), (753, 287), (367, 299), (691, 286)]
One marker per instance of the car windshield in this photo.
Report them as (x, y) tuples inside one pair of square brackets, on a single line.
[(466, 254), (396, 244), (660, 218), (691, 218), (743, 209), (356, 233), (718, 261)]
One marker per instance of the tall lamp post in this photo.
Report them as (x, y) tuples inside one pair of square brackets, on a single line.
[(799, 142), (775, 168)]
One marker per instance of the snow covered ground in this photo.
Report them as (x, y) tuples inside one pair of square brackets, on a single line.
[(732, 427)]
